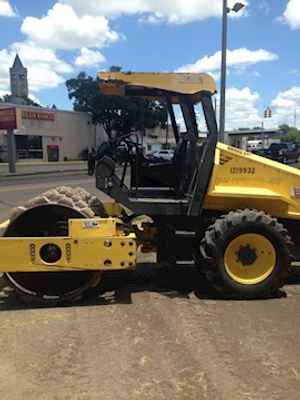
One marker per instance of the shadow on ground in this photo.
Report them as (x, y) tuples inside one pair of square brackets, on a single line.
[(117, 288)]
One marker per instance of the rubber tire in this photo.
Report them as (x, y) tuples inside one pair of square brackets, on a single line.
[(224, 230), (75, 198)]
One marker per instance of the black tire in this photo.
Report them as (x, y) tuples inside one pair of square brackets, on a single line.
[(218, 236)]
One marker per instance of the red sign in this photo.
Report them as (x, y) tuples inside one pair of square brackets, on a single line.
[(38, 115), (8, 118)]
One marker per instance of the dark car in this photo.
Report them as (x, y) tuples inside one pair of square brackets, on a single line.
[(283, 152)]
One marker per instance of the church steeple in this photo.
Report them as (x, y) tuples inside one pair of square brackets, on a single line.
[(17, 63), (18, 80)]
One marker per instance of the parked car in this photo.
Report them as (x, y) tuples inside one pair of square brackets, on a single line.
[(282, 152), (254, 145), (164, 154)]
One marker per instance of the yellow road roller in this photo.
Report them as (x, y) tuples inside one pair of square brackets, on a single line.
[(233, 213)]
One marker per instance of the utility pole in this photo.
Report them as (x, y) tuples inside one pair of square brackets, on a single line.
[(226, 10), (223, 73), (9, 122), (11, 150)]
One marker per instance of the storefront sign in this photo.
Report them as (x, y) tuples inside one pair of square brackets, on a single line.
[(8, 118), (38, 115)]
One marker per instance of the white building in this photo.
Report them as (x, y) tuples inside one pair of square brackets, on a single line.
[(52, 135), (47, 134)]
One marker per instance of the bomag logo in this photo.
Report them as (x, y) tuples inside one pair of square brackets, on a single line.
[(224, 159)]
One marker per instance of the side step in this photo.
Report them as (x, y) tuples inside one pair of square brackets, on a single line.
[(185, 243)]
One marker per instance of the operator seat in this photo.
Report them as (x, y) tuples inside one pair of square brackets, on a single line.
[(172, 174)]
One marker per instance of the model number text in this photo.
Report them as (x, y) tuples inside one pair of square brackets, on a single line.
[(237, 170)]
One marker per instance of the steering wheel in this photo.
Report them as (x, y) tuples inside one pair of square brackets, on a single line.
[(124, 148), (126, 140), (121, 149)]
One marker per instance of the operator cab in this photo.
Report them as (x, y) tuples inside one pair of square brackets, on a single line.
[(175, 186), (157, 176)]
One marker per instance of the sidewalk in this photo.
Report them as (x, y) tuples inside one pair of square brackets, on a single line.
[(32, 168)]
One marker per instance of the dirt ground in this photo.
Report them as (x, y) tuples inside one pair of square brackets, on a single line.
[(155, 334)]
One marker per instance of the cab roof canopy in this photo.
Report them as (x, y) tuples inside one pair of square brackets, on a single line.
[(156, 85)]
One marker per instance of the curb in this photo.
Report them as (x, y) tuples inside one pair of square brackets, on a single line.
[(41, 173)]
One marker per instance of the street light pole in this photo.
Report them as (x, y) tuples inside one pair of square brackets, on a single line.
[(236, 8), (223, 73), (11, 151)]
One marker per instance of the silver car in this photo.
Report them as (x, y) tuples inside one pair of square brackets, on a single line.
[(164, 154)]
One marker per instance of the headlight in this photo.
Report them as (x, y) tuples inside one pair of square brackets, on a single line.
[(281, 152)]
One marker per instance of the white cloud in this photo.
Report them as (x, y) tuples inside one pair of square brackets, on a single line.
[(238, 58), (6, 60), (89, 58), (62, 28), (33, 55), (242, 108), (45, 69), (285, 104), (173, 11), (2, 93), (76, 24), (6, 9), (291, 14)]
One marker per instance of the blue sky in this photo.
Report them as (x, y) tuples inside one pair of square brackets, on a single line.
[(58, 39)]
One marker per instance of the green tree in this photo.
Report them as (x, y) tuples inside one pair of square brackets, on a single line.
[(116, 114), (291, 135), (27, 101), (115, 68), (30, 102)]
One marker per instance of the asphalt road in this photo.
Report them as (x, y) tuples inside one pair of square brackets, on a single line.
[(155, 334)]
